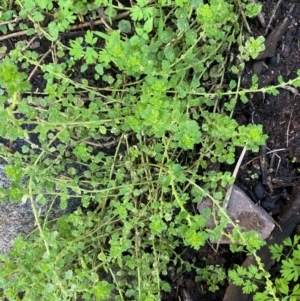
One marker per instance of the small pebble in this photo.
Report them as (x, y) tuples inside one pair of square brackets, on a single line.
[(252, 196), (272, 60), (297, 36), (285, 194), (259, 191), (286, 51), (270, 206), (257, 67)]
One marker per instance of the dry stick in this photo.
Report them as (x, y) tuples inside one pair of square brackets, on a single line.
[(276, 150), (15, 20), (291, 89), (288, 127), (104, 144), (235, 172), (229, 190), (260, 16), (244, 17), (39, 63), (29, 43), (74, 27), (11, 3), (13, 35), (98, 22), (263, 164), (272, 17), (261, 19), (269, 152)]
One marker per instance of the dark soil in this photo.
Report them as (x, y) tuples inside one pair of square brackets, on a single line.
[(280, 117), (279, 114)]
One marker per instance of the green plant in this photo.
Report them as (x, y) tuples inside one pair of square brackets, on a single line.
[(4, 4), (252, 8), (213, 275), (252, 48), (132, 122), (283, 288)]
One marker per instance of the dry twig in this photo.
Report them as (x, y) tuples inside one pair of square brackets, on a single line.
[(74, 27), (244, 16), (272, 17), (39, 63)]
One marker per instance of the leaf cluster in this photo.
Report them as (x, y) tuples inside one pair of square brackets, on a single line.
[(214, 276), (129, 123), (284, 287)]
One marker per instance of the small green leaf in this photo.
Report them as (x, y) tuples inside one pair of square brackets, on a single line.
[(99, 69), (289, 270), (68, 274), (53, 31), (136, 13), (124, 26), (254, 79), (49, 288), (169, 53), (91, 55), (182, 24), (89, 38), (232, 84), (148, 26), (157, 225), (180, 3)]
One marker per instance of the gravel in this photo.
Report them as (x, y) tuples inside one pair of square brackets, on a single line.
[(18, 218)]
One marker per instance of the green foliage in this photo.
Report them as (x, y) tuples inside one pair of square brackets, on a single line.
[(251, 9), (63, 17), (131, 122), (11, 79), (4, 5), (214, 16), (213, 275), (284, 287), (252, 48)]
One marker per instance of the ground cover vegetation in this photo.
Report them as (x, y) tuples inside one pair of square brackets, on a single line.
[(133, 116)]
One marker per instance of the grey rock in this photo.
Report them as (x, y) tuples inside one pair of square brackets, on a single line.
[(257, 67), (273, 39), (244, 213), (18, 218)]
